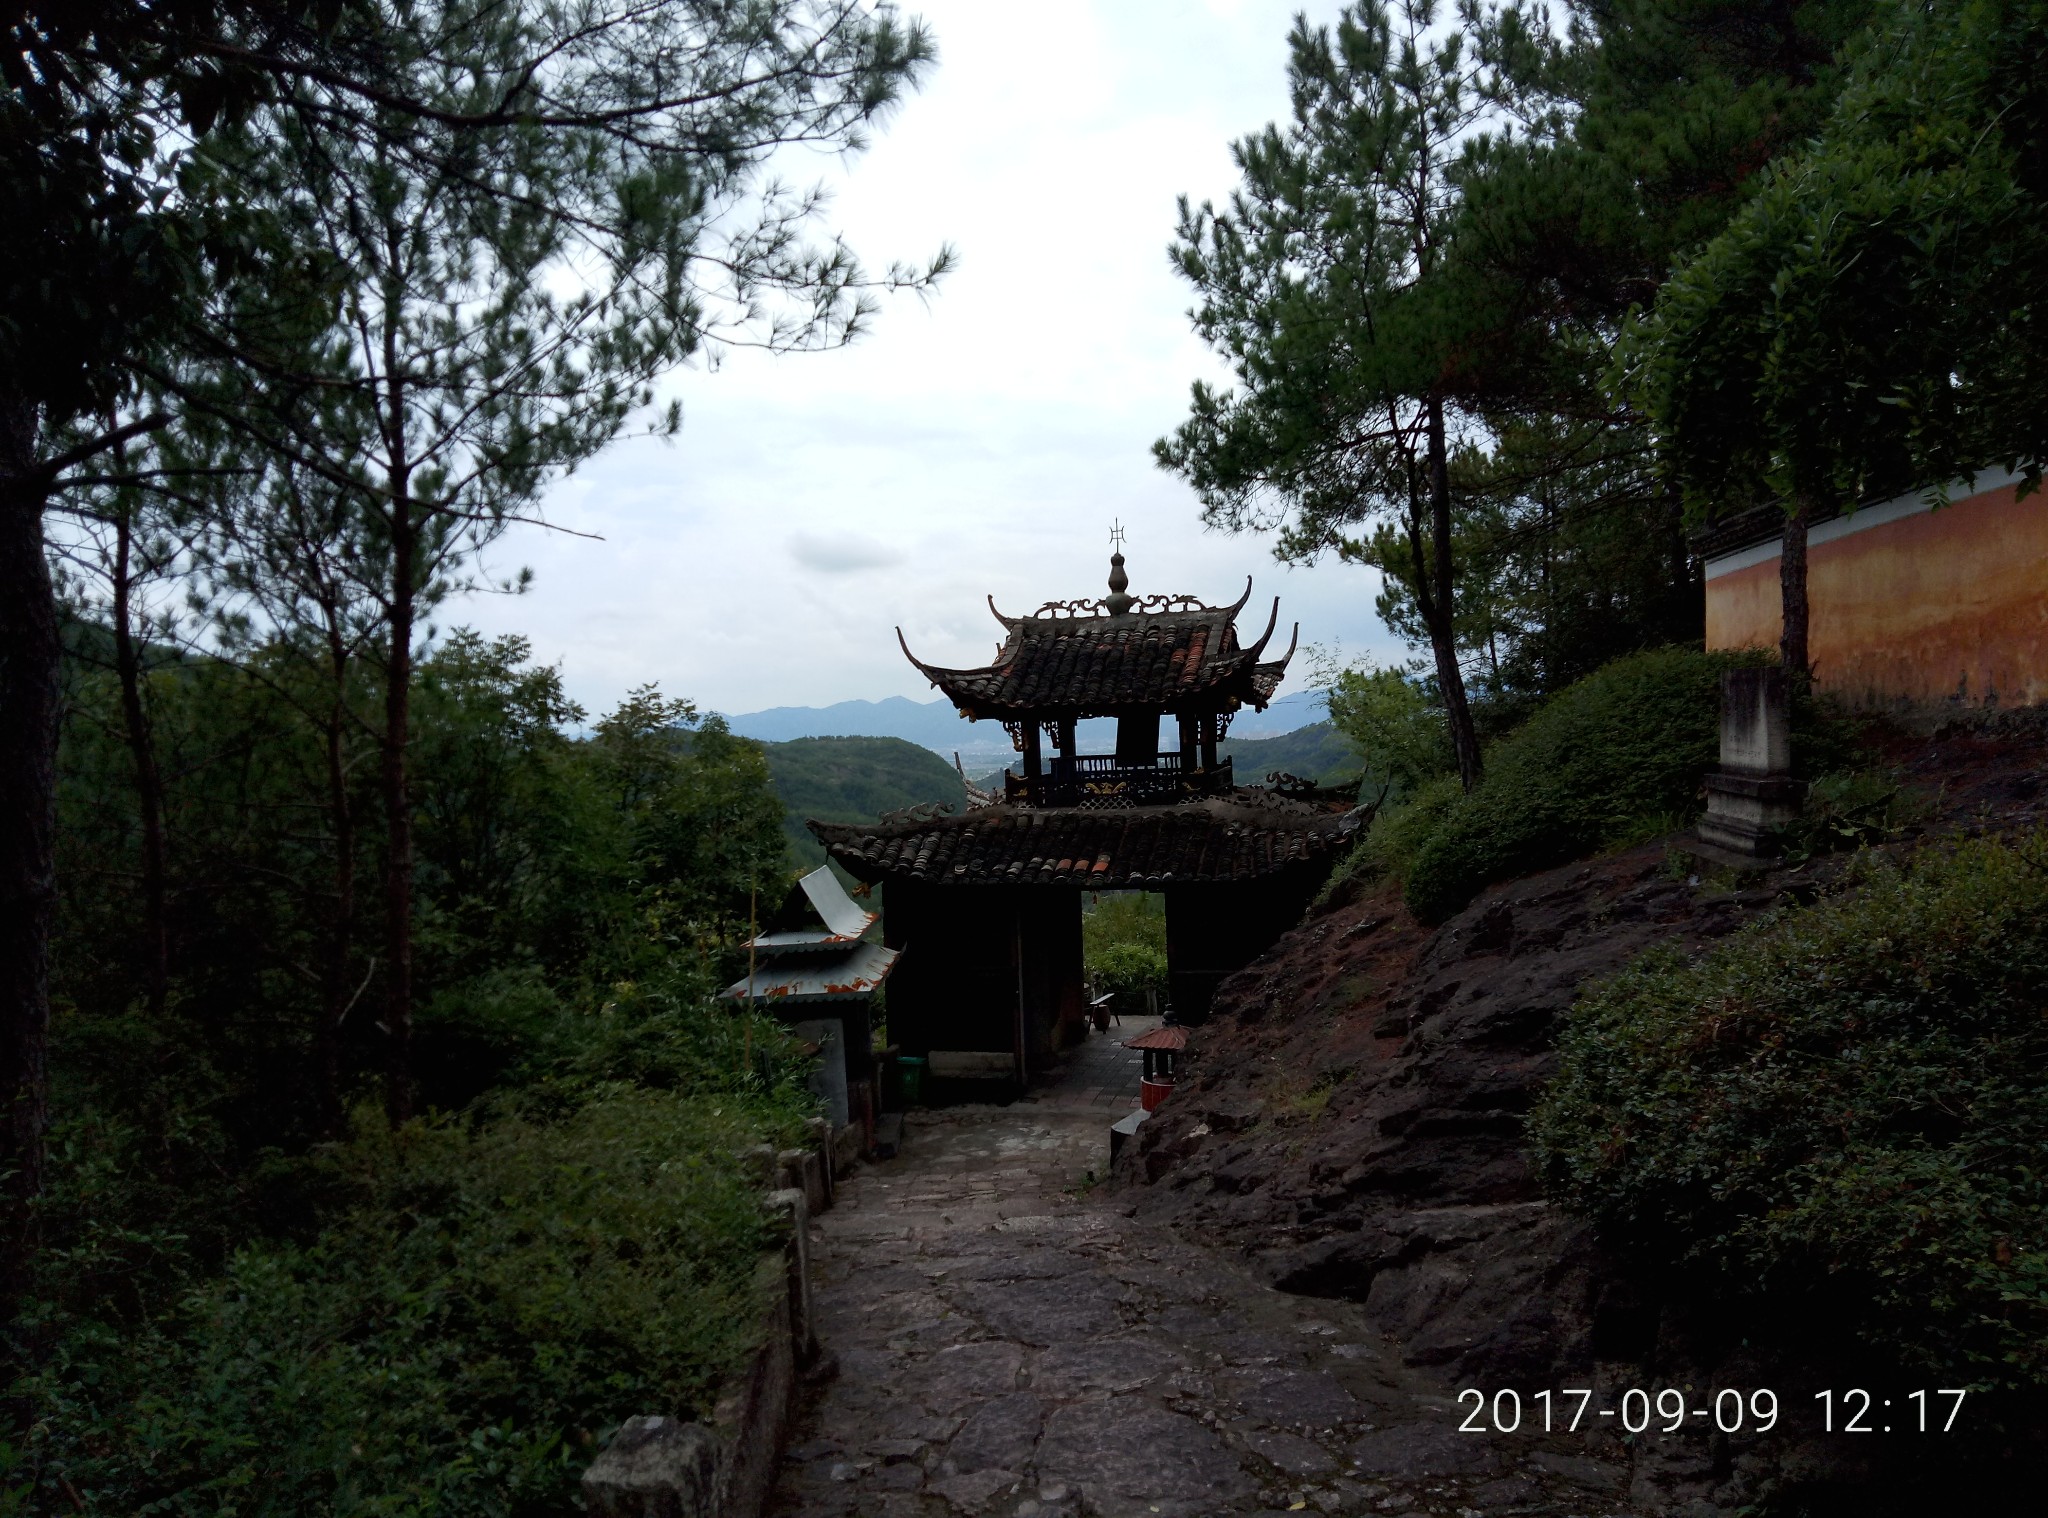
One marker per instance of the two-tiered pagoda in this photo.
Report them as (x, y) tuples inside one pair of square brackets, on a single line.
[(986, 906)]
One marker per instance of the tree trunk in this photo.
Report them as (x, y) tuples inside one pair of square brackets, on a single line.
[(30, 671), (1685, 617), (398, 817), (156, 959), (1792, 591), (336, 996), (1442, 631)]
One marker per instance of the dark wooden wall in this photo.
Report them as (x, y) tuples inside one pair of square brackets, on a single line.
[(972, 956), (989, 967), (1054, 991)]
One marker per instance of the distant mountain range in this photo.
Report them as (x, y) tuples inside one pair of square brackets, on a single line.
[(936, 726)]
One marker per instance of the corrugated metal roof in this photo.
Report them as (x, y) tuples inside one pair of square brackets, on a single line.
[(855, 971), (845, 923), (837, 908), (807, 941)]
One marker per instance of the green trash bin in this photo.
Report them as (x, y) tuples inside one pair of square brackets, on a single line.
[(910, 1076)]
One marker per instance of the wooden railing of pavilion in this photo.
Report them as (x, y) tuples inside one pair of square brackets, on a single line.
[(1098, 780)]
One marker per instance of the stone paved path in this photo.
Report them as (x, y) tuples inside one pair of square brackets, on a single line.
[(1008, 1343)]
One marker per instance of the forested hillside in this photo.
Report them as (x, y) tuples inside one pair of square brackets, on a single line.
[(852, 780), (1317, 752)]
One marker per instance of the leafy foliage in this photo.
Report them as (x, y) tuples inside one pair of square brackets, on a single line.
[(1388, 716), (1123, 917), (481, 1308), (1127, 971), (1853, 329), (1123, 946), (1620, 748), (1844, 1100), (229, 1308), (1331, 283)]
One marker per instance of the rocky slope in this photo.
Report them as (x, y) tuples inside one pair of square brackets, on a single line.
[(1352, 1119)]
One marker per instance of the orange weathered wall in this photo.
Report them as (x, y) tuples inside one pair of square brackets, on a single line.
[(1947, 604)]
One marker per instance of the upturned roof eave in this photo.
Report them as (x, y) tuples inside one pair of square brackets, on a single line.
[(1239, 686)]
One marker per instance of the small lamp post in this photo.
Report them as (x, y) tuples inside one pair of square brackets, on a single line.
[(1161, 1048)]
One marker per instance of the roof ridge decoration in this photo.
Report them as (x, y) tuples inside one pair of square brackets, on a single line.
[(920, 811), (1156, 604), (1113, 656), (1271, 622), (1118, 601)]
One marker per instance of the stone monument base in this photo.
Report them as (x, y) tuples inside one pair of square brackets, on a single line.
[(1745, 812)]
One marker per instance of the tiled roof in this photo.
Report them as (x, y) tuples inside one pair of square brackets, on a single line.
[(1244, 836), (1075, 666), (1171, 1036), (1733, 531)]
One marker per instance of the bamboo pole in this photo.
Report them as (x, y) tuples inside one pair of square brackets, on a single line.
[(753, 932)]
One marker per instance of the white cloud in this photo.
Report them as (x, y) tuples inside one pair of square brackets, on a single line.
[(839, 553), (981, 443)]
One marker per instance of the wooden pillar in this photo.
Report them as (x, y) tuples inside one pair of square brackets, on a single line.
[(1209, 741), (1067, 740), (1032, 761), (1190, 741)]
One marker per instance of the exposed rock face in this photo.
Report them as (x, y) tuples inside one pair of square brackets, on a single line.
[(1354, 1115), (1352, 1118)]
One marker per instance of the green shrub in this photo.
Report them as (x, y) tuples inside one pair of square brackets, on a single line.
[(1123, 917), (1389, 846), (1123, 946), (1850, 809), (1599, 761), (1392, 720), (1848, 1098), (488, 1307), (1128, 970)]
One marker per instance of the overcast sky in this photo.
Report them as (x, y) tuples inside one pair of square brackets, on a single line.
[(979, 444)]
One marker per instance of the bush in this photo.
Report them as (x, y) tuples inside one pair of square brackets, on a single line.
[(1122, 917), (1621, 751), (1390, 845), (1128, 970), (1123, 946), (1393, 719), (482, 1314), (1849, 1098)]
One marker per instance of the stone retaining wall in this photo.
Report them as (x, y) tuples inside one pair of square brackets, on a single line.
[(663, 1467)]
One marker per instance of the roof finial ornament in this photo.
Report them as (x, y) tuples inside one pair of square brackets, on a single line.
[(1118, 601)]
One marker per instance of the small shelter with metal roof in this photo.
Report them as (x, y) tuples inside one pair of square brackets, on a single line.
[(985, 906), (815, 970)]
